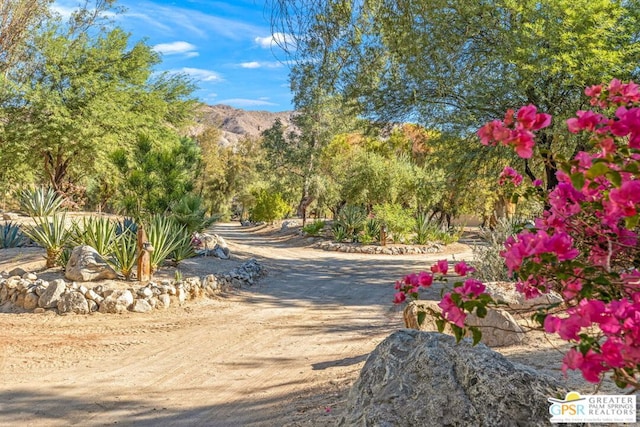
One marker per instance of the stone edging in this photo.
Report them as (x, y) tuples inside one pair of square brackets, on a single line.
[(37, 295), (431, 248)]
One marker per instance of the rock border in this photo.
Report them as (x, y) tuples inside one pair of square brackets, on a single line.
[(26, 291), (432, 248)]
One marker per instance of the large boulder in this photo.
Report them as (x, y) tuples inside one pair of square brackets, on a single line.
[(498, 327), (505, 292), (86, 265), (416, 378)]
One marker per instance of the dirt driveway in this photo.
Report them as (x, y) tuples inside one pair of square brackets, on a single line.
[(279, 353)]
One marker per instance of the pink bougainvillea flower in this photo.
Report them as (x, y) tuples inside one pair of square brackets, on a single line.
[(572, 360), (399, 297), (462, 268), (537, 183), (612, 352), (425, 279), (451, 311), (592, 366), (441, 267), (470, 289), (626, 197), (510, 174), (586, 120)]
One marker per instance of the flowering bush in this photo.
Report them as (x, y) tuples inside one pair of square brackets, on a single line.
[(585, 244)]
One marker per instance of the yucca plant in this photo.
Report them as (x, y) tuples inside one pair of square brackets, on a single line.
[(372, 228), (97, 232), (339, 232), (124, 253), (353, 219), (423, 228), (164, 235), (52, 235), (11, 235), (184, 249), (40, 201)]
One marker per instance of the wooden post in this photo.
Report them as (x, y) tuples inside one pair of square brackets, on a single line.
[(383, 236), (144, 257)]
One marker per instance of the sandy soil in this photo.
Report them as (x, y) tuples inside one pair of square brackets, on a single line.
[(281, 353)]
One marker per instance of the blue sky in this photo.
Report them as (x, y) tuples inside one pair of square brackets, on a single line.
[(226, 46)]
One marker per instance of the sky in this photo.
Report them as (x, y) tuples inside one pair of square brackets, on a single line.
[(226, 47)]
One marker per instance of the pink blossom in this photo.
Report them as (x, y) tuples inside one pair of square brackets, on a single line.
[(537, 183), (593, 91), (529, 119), (561, 244), (441, 266), (509, 174), (626, 197), (612, 352), (470, 289), (463, 269), (425, 279), (586, 120), (451, 311), (572, 360), (592, 366), (399, 297)]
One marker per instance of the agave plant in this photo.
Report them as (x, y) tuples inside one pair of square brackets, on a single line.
[(423, 228), (11, 235), (97, 232), (52, 235), (339, 232), (126, 224), (39, 202), (164, 235), (124, 253)]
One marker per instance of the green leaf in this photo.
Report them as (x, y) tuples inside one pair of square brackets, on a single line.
[(614, 177), (458, 332), (631, 221), (421, 317), (440, 323), (577, 179), (477, 335), (481, 311), (598, 169)]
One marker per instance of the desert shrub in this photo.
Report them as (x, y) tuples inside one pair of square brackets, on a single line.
[(11, 236), (52, 235), (190, 213), (269, 206), (40, 201), (490, 266), (126, 224), (397, 219), (313, 228)]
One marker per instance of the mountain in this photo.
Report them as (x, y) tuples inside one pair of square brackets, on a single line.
[(236, 123)]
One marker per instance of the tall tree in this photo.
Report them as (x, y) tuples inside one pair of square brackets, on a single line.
[(455, 64), (86, 96)]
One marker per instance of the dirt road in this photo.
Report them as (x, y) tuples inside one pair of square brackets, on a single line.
[(279, 353)]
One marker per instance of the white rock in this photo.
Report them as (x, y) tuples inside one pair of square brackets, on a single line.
[(86, 264), (164, 301), (50, 296), (73, 302), (117, 302), (140, 306)]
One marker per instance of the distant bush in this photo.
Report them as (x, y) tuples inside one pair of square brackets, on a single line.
[(11, 236), (314, 228), (269, 206)]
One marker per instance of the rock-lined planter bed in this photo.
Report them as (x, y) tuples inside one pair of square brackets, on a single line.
[(431, 248), (28, 292)]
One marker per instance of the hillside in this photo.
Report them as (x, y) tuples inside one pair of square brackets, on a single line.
[(237, 124)]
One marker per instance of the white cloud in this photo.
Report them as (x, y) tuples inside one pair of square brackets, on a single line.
[(243, 102), (261, 64), (252, 64), (276, 39), (176, 48), (202, 75)]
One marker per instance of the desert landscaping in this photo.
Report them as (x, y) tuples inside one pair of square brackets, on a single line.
[(284, 351)]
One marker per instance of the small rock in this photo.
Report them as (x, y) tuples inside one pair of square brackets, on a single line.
[(73, 302), (141, 306), (50, 296), (31, 301), (17, 272), (164, 301), (30, 276), (117, 302), (39, 310)]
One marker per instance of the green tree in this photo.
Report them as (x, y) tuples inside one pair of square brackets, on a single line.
[(455, 64), (86, 96)]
